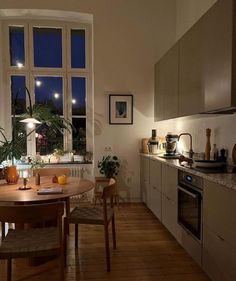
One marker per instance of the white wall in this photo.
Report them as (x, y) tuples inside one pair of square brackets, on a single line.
[(129, 37)]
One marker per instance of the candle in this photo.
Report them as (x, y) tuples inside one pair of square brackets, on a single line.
[(25, 174)]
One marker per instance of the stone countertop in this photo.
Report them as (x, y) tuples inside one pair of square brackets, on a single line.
[(226, 179)]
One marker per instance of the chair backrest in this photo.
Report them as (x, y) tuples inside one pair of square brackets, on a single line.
[(32, 213), (109, 190), (53, 171)]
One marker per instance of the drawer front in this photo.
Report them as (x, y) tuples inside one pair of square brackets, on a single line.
[(169, 216), (219, 211), (155, 203), (155, 174), (169, 182), (218, 258)]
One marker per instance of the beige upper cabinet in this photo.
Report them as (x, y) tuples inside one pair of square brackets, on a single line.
[(205, 62), (166, 85), (191, 86), (198, 74)]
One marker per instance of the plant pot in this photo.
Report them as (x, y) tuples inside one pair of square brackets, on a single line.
[(11, 175)]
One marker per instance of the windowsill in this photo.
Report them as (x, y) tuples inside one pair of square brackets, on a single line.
[(60, 163)]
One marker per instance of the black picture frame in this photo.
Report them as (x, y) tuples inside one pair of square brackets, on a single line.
[(120, 109)]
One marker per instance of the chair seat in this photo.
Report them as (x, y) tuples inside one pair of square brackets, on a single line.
[(22, 242), (89, 215)]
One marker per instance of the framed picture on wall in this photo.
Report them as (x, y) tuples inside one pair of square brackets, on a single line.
[(120, 109)]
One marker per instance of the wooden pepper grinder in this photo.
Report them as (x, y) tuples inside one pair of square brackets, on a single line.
[(208, 144)]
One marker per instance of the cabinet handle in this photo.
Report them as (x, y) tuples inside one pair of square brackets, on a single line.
[(221, 238), (168, 198)]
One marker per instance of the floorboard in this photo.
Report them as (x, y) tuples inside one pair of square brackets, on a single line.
[(146, 251)]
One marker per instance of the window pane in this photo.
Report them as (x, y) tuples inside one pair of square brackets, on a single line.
[(47, 140), (78, 95), (18, 84), (49, 90), (20, 130), (77, 48), (17, 46), (79, 135), (47, 47)]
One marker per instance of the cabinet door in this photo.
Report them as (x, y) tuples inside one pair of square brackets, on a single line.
[(144, 178), (166, 85), (155, 201), (205, 58), (155, 187), (169, 182), (219, 210), (219, 257), (158, 95), (191, 245), (169, 216), (191, 87), (155, 174)]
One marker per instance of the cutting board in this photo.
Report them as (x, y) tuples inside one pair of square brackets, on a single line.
[(234, 154)]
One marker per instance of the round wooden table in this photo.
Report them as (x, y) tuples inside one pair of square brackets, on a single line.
[(12, 194)]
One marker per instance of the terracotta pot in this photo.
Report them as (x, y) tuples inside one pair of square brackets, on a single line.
[(11, 175)]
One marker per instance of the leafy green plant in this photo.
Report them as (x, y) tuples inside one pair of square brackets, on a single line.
[(37, 163), (109, 166), (13, 149)]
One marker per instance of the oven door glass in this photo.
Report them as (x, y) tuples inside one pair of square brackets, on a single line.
[(189, 210)]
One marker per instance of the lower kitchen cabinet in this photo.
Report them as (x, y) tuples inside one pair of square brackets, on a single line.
[(155, 187), (169, 200), (219, 232), (191, 245), (144, 179), (169, 216), (218, 257)]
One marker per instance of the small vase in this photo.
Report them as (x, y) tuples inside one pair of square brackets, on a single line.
[(11, 175)]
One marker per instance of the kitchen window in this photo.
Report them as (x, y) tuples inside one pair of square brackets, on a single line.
[(53, 60)]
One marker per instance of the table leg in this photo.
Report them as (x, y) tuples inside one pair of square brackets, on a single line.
[(68, 212)]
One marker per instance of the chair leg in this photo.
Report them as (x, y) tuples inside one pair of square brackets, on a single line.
[(9, 270), (76, 235), (107, 247), (68, 212), (62, 265), (65, 240), (113, 232), (3, 225)]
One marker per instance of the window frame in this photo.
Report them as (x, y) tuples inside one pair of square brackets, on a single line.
[(66, 72)]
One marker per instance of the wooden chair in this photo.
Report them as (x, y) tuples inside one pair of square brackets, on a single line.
[(33, 242), (57, 172), (53, 171), (102, 181), (98, 216)]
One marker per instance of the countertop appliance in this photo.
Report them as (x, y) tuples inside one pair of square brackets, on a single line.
[(153, 143), (190, 192), (171, 144)]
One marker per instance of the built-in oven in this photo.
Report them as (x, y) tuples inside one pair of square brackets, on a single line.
[(190, 189)]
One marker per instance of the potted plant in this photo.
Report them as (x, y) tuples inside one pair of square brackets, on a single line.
[(13, 149), (109, 166)]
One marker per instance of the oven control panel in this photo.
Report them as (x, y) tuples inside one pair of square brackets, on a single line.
[(190, 179)]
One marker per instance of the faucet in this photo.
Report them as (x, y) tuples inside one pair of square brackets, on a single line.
[(191, 143)]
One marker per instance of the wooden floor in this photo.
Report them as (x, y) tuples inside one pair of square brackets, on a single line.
[(146, 252)]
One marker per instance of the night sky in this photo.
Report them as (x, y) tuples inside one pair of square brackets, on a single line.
[(49, 89)]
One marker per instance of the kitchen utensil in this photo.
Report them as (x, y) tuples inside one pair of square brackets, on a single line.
[(145, 145), (171, 144), (208, 144), (153, 143)]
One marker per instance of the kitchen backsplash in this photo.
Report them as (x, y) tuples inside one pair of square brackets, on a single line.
[(223, 131)]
